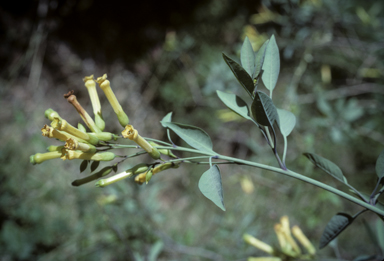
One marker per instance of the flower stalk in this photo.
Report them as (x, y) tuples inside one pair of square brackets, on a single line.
[(105, 85), (90, 84)]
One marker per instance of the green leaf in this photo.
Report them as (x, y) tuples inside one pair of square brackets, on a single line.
[(241, 75), (259, 61), (247, 57), (263, 110), (380, 165), (115, 168), (327, 166), (167, 118), (83, 165), (210, 186), (194, 136), (335, 226), (235, 103), (287, 121), (94, 165), (271, 66)]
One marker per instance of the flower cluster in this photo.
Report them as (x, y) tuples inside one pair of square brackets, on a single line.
[(94, 145), (289, 250)]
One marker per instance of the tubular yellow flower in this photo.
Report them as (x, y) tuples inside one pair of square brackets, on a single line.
[(106, 87), (296, 231), (258, 244), (284, 220), (71, 98), (75, 154), (72, 144), (51, 114), (55, 148), (41, 157), (113, 179), (91, 86), (268, 258), (132, 134), (50, 132), (63, 125)]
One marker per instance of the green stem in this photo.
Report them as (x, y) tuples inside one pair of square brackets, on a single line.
[(308, 180), (285, 148)]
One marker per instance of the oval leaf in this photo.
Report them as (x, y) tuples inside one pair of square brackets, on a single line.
[(235, 103), (287, 121), (247, 57), (263, 110), (335, 226), (94, 165), (380, 165), (271, 65), (211, 187), (327, 166), (83, 165), (259, 61), (241, 75), (194, 136)]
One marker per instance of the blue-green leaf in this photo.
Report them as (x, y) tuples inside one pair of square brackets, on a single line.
[(380, 165), (259, 61), (287, 121), (194, 136), (167, 118), (335, 226), (271, 66), (241, 75), (155, 251), (235, 103), (327, 166), (247, 57), (263, 110), (211, 187)]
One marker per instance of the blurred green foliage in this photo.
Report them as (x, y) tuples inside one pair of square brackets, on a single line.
[(331, 78)]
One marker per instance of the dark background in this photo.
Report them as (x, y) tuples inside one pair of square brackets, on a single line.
[(166, 56)]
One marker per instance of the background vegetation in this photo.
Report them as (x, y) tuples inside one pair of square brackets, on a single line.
[(167, 57)]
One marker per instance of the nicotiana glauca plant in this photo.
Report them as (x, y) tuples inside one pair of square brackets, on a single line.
[(255, 67)]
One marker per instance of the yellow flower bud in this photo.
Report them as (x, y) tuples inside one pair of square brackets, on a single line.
[(89, 82), (63, 125), (140, 179), (72, 144), (258, 244), (106, 87), (132, 134), (41, 157), (51, 114)]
